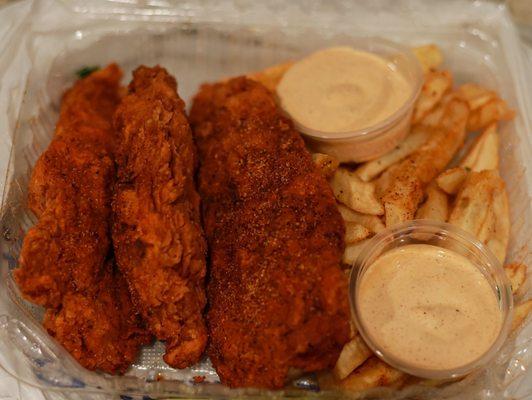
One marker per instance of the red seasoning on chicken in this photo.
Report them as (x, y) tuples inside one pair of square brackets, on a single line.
[(157, 235), (277, 297), (65, 263)]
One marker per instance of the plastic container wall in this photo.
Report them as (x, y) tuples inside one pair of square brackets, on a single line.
[(200, 41)]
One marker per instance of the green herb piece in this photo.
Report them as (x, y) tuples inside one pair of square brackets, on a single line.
[(86, 71)]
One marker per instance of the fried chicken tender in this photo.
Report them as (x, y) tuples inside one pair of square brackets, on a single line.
[(65, 262), (277, 297), (157, 235)]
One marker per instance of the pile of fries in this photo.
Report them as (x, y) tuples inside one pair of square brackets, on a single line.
[(433, 175)]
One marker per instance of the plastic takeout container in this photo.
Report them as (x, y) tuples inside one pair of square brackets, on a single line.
[(373, 141), (445, 236), (44, 42)]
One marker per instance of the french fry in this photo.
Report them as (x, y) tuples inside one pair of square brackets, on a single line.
[(403, 183), (472, 204), (498, 242), (354, 232), (411, 143), (437, 83), (358, 195), (429, 56), (493, 111), (373, 373), (433, 118), (353, 354), (484, 153), (516, 273), (436, 205), (352, 251), (476, 95), (270, 77), (521, 311), (451, 181), (372, 222), (327, 165), (481, 208)]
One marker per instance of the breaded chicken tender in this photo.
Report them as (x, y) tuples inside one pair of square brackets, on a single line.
[(157, 235), (66, 262), (277, 297)]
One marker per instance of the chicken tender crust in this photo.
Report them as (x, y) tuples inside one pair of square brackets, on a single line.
[(157, 235), (277, 297), (65, 263)]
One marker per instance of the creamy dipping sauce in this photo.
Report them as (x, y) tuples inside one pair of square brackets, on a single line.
[(342, 90), (428, 307)]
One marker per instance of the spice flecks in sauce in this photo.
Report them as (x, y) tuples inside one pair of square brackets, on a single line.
[(428, 307), (341, 89)]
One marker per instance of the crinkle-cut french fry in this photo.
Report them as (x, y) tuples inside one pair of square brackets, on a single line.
[(484, 153), (372, 222), (493, 111), (516, 273), (353, 354), (430, 56), (436, 205), (327, 165), (476, 95), (270, 77), (358, 195), (354, 232), (352, 251), (404, 182), (415, 139), (437, 83), (521, 311), (451, 180)]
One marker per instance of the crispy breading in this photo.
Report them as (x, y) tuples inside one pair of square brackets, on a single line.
[(277, 297), (157, 236), (65, 260)]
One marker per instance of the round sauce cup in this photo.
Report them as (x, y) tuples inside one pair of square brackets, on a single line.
[(382, 135), (460, 292)]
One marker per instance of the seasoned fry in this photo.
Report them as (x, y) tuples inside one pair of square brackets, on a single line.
[(437, 83), (352, 356), (472, 205), (352, 251), (520, 313), (412, 142), (402, 185), (429, 56), (355, 232), (476, 95), (436, 205), (516, 273), (350, 190), (481, 208), (327, 165), (433, 118), (451, 180), (484, 153), (270, 77), (371, 374), (372, 222), (493, 111), (498, 242)]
